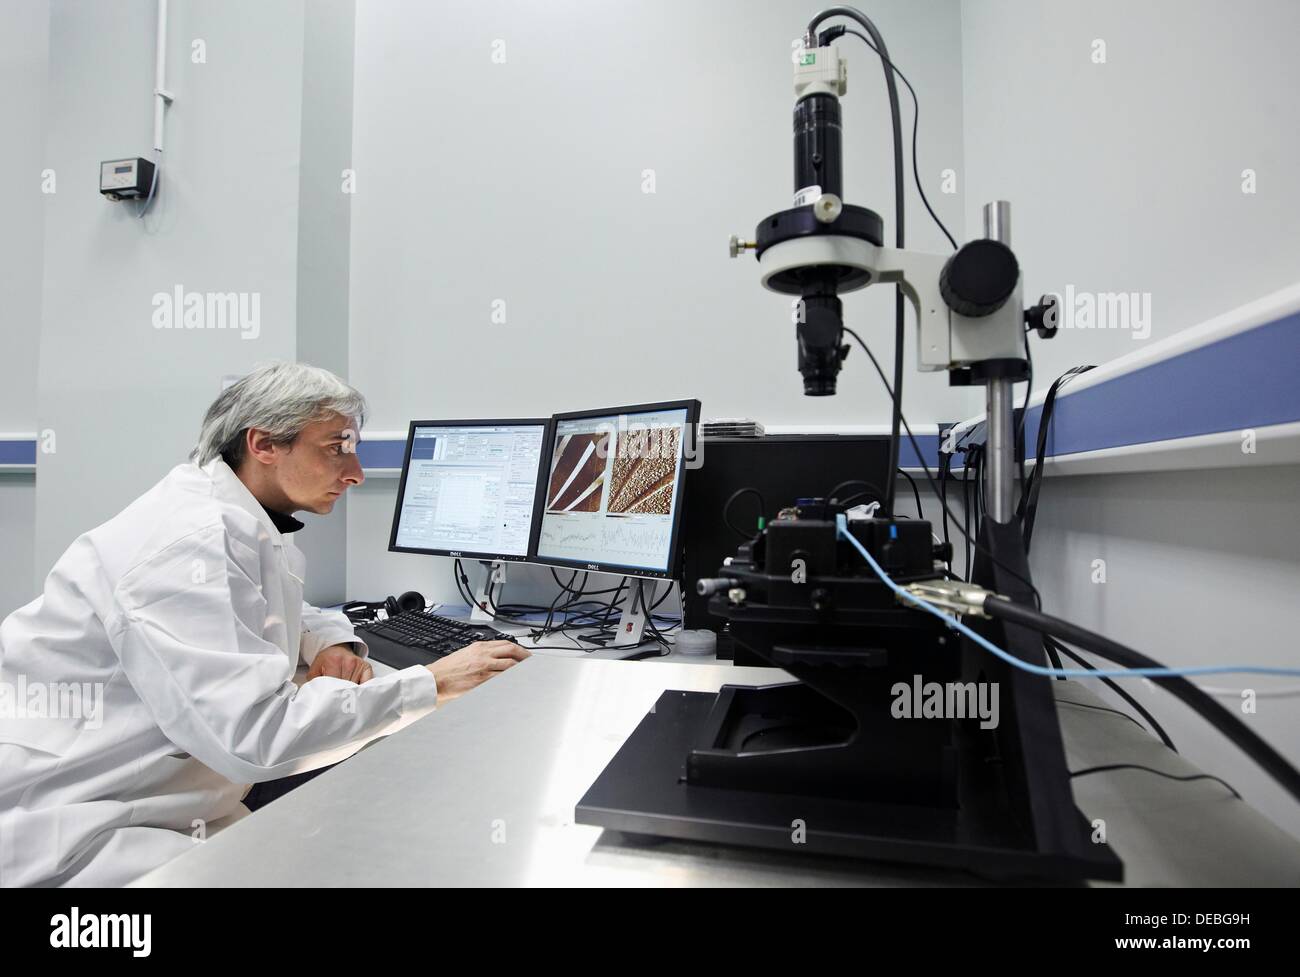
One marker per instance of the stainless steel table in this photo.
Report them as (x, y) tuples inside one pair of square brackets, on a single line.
[(482, 792)]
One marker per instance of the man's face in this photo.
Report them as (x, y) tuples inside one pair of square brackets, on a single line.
[(320, 465)]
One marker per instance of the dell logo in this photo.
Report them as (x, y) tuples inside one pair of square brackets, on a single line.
[(453, 552), (593, 566)]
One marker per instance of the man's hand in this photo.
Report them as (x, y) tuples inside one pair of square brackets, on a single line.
[(473, 665), (340, 661)]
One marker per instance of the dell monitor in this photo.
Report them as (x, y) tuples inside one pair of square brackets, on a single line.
[(613, 492), (471, 488)]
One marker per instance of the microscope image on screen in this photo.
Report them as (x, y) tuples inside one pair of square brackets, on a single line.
[(578, 473), (614, 493), (644, 471)]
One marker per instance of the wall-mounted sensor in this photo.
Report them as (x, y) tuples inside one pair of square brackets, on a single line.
[(123, 179)]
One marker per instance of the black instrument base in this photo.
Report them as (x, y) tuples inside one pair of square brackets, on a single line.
[(643, 790)]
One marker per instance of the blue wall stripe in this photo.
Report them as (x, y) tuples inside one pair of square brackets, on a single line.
[(929, 444), (381, 454), (1247, 380), (21, 452), (389, 453)]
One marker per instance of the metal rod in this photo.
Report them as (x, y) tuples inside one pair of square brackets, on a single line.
[(997, 221), (1000, 445), (160, 76), (999, 450)]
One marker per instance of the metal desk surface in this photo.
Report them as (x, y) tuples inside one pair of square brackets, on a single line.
[(482, 791)]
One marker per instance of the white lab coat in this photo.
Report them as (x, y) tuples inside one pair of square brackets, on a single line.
[(186, 612)]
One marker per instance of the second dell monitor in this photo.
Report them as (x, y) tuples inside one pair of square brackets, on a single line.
[(614, 490)]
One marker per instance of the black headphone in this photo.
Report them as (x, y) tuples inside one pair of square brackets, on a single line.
[(358, 611)]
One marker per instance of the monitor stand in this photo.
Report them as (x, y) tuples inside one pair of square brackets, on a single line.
[(631, 625), (495, 574)]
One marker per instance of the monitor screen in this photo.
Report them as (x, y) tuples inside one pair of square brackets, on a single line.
[(470, 488), (614, 489)]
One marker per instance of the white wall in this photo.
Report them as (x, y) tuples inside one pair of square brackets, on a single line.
[(17, 515), (522, 181), (1199, 568), (24, 54), (324, 239), (124, 398), (1126, 176)]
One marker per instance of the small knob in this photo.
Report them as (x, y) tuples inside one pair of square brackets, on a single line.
[(707, 586), (738, 245), (979, 278), (1044, 317), (827, 208)]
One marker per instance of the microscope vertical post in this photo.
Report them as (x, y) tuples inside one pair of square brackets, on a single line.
[(998, 411)]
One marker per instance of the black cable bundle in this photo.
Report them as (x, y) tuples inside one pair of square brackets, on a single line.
[(1028, 508), (1246, 739), (574, 604)]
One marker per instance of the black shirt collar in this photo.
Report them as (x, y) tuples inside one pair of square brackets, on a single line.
[(285, 524)]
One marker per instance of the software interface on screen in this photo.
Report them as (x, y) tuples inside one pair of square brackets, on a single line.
[(471, 488), (613, 487)]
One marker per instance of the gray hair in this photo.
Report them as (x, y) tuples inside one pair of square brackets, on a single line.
[(281, 399)]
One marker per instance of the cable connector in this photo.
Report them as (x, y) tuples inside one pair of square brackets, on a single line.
[(956, 596)]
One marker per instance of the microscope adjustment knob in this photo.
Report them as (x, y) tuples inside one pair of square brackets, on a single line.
[(979, 278), (737, 246), (1044, 317), (827, 208)]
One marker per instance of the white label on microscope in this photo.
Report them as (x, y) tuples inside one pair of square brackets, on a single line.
[(807, 195)]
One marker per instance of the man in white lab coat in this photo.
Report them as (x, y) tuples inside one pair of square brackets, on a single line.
[(152, 681)]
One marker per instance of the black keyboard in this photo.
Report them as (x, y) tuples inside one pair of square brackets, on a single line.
[(420, 638)]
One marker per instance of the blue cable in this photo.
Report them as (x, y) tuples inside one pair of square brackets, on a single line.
[(842, 530)]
